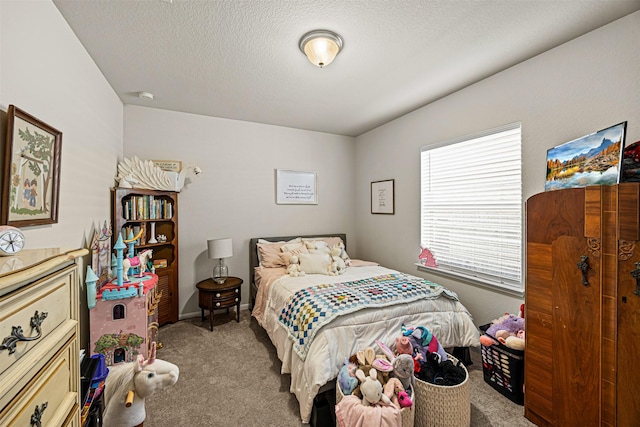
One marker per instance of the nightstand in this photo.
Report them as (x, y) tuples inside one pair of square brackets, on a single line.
[(214, 296)]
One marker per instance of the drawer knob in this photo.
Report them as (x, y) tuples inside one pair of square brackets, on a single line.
[(17, 334), (236, 291), (236, 299), (217, 295), (36, 417), (217, 304)]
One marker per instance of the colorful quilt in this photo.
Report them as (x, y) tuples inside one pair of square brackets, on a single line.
[(309, 309)]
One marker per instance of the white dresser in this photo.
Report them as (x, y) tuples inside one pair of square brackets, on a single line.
[(39, 338)]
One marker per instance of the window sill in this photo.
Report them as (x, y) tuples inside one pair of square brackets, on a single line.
[(475, 281)]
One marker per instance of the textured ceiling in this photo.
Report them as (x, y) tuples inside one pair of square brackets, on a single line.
[(239, 59)]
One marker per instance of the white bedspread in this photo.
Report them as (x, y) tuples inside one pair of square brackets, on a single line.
[(448, 320)]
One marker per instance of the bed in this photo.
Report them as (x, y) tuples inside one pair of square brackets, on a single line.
[(314, 358)]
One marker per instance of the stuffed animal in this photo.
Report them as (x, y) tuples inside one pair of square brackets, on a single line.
[(341, 252), (347, 377), (294, 269), (403, 368), (337, 266), (371, 388), (421, 337), (508, 330), (397, 394)]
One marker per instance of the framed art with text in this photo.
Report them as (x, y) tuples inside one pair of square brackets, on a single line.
[(296, 187), (31, 183), (382, 197)]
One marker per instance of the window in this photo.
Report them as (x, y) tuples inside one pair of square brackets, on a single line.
[(471, 207), (119, 311)]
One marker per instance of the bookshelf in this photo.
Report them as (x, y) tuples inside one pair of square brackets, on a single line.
[(135, 209)]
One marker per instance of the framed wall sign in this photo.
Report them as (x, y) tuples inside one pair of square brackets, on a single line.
[(31, 182), (296, 188), (382, 198)]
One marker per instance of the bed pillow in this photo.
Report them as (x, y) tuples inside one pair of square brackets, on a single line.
[(331, 241), (292, 247), (269, 252), (315, 263)]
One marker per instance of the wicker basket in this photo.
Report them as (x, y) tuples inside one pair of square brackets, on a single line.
[(443, 406), (408, 414)]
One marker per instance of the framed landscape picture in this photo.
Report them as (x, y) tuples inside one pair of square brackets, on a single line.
[(31, 181), (594, 159)]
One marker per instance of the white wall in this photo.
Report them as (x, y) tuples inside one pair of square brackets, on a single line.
[(235, 195), (45, 71), (580, 87)]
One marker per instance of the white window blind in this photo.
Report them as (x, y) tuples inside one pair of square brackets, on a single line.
[(471, 206)]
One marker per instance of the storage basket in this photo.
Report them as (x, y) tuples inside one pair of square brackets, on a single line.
[(408, 414), (443, 406), (503, 369)]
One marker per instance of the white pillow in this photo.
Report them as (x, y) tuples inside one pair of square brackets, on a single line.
[(315, 263)]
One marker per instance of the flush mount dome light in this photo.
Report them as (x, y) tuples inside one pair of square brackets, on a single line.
[(321, 46)]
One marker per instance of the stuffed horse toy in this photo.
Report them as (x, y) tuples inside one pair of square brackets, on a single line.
[(139, 261), (129, 384)]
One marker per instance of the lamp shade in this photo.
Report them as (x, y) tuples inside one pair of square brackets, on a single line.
[(220, 248), (321, 46)]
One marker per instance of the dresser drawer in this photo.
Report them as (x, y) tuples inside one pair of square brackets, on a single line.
[(55, 389), (54, 296)]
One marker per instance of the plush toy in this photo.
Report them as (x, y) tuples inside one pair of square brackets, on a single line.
[(403, 368), (294, 269), (341, 252), (128, 384), (347, 377), (420, 337), (397, 394), (337, 265), (371, 388), (508, 330), (404, 346)]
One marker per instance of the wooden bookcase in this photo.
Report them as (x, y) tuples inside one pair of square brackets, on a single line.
[(132, 208)]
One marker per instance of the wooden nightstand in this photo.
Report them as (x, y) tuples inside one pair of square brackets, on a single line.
[(214, 296)]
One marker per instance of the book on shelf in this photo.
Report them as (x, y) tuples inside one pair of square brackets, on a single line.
[(159, 263)]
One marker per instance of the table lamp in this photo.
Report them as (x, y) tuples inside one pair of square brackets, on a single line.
[(220, 249)]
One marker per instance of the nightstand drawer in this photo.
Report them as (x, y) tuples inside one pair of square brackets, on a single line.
[(22, 359), (52, 395), (224, 303), (226, 294)]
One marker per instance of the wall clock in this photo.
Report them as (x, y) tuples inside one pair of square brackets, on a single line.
[(11, 240)]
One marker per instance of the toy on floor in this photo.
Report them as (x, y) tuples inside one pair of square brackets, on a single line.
[(129, 384)]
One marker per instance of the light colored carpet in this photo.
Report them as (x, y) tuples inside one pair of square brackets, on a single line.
[(231, 377)]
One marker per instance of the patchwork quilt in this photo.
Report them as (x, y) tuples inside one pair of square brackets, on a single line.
[(308, 309)]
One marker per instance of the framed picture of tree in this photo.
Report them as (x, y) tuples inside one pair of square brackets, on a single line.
[(31, 179)]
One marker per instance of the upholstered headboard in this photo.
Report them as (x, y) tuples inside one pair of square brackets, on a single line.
[(253, 253)]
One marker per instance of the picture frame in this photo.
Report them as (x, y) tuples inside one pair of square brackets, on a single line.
[(31, 178), (382, 197), (594, 159), (631, 163), (296, 187)]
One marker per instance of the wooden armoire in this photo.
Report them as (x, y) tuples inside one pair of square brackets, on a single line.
[(583, 307)]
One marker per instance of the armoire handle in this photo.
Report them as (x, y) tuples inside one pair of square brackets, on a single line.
[(636, 275), (583, 265)]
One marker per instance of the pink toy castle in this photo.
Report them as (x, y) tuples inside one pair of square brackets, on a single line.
[(123, 314)]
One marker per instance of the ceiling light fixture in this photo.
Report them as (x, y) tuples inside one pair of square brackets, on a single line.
[(321, 46)]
